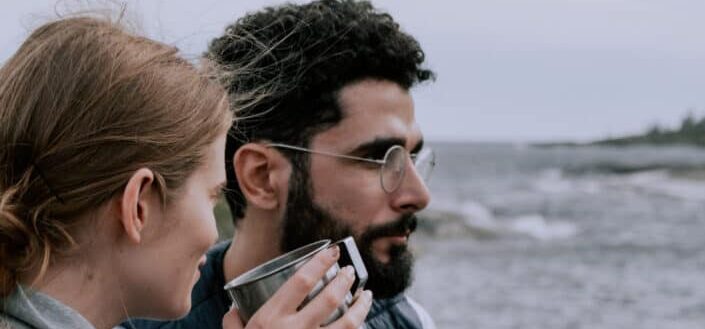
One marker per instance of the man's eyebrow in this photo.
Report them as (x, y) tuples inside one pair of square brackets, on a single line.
[(417, 148), (379, 144), (384, 143)]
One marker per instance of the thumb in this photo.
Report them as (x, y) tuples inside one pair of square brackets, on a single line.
[(231, 320)]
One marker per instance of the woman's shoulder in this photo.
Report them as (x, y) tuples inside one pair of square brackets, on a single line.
[(28, 309)]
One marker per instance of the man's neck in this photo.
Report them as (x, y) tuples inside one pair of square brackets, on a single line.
[(256, 241)]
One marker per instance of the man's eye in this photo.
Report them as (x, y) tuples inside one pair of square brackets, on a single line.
[(377, 155)]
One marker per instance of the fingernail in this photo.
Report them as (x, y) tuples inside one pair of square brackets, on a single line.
[(334, 252), (349, 271)]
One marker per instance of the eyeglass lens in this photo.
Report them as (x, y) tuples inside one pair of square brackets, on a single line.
[(393, 168), (424, 163)]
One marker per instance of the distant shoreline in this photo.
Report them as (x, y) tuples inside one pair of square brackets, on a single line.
[(627, 141), (690, 133)]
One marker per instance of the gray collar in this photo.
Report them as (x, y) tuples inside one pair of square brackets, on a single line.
[(32, 309)]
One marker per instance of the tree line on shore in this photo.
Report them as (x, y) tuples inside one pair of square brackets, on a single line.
[(691, 131)]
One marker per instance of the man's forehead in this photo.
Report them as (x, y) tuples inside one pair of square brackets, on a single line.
[(370, 98), (373, 110)]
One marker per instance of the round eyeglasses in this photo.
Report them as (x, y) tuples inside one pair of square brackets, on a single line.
[(392, 167)]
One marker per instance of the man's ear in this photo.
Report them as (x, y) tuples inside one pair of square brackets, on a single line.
[(135, 203), (262, 173)]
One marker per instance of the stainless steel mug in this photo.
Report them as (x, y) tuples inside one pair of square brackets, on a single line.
[(253, 288)]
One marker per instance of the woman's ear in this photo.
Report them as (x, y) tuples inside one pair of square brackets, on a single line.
[(135, 203), (262, 174)]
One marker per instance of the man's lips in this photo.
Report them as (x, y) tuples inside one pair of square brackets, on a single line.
[(383, 246), (399, 228), (399, 238)]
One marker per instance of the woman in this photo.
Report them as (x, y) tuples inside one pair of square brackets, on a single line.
[(111, 161)]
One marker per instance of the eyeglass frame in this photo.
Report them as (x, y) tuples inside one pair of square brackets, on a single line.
[(380, 162)]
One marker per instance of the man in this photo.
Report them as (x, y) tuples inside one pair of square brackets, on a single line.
[(326, 146)]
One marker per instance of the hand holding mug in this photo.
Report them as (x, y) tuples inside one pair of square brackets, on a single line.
[(282, 310)]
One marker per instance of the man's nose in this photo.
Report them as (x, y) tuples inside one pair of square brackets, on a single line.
[(412, 194)]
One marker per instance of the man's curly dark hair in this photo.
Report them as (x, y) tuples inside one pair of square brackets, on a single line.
[(284, 66)]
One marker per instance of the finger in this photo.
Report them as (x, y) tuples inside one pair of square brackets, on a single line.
[(355, 316), (332, 296), (295, 290), (231, 320)]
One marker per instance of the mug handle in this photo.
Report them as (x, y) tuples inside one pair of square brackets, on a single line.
[(350, 255)]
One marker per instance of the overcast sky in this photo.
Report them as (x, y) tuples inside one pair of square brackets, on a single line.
[(508, 70)]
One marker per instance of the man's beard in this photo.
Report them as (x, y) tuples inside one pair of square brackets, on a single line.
[(305, 222)]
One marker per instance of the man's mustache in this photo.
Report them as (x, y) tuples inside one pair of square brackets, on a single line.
[(402, 226)]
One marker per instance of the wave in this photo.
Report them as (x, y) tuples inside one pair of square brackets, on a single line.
[(557, 181), (628, 168), (467, 219), (471, 218), (685, 184), (666, 183), (537, 227)]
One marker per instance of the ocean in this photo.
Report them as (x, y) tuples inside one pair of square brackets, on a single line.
[(518, 236)]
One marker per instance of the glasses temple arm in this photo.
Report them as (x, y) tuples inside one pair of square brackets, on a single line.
[(350, 157)]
